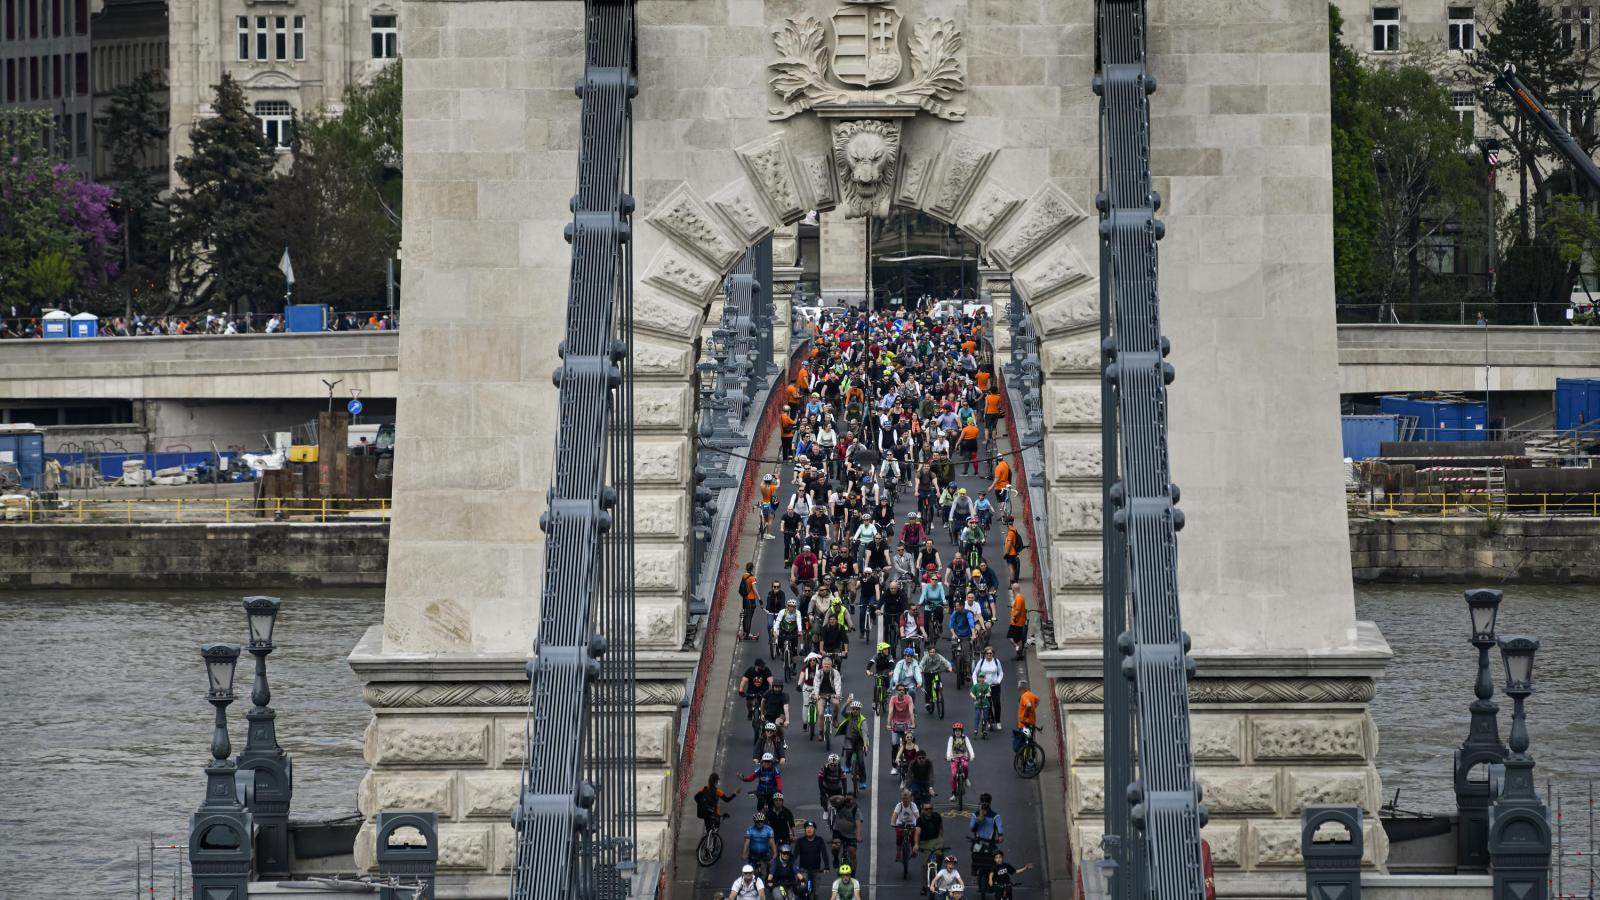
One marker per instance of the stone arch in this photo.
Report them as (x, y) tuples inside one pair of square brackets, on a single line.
[(1035, 237)]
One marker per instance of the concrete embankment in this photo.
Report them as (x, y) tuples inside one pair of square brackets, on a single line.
[(1526, 549), (210, 555)]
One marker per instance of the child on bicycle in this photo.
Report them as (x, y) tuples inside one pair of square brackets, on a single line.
[(958, 750), (982, 702)]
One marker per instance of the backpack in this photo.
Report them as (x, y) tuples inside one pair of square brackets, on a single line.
[(704, 806)]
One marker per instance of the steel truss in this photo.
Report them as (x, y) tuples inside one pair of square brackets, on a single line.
[(576, 823), (1161, 857)]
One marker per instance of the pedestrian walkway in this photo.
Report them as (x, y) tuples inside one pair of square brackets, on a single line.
[(992, 771)]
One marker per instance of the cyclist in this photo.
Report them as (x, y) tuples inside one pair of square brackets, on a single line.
[(828, 685), (911, 629), (757, 842), (958, 750), (780, 818), (853, 725), (932, 602), (769, 780), (994, 673), (769, 503), (961, 509), (905, 756), (971, 540), (901, 720), (934, 667), (930, 828), (982, 702), (907, 672), (846, 827), (920, 777), (904, 818), (880, 667), (1027, 713), (834, 639), (747, 598), (811, 852), (789, 523), (748, 886), (785, 872), (947, 881), (986, 824), (1002, 876), (708, 801), (754, 684), (803, 572), (985, 511), (1013, 549), (961, 623), (1018, 632), (845, 887), (786, 630), (831, 780), (769, 743), (775, 710), (807, 681), (912, 534)]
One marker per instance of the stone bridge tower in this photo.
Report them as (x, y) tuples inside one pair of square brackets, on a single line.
[(751, 113)]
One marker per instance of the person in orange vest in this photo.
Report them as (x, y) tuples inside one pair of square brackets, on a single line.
[(1018, 632), (983, 377), (1013, 549), (1002, 484), (969, 446), (786, 423), (791, 396), (748, 595), (993, 409)]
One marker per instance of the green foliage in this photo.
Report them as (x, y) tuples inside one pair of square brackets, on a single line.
[(219, 211), (1355, 184), (134, 130), (338, 211), (50, 276), (1531, 272), (1573, 230)]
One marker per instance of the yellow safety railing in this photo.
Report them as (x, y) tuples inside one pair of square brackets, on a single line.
[(129, 510), (1457, 503)]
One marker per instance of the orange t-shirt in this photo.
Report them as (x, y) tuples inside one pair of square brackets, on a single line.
[(969, 432), (792, 391), (991, 404), (804, 378), (983, 380), (768, 492), (1012, 539), (969, 345), (1028, 710), (1002, 475), (786, 425), (1019, 610)]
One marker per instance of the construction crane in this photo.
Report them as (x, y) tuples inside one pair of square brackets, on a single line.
[(1538, 115)]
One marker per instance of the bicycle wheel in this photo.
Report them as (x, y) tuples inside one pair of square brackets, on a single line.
[(710, 849), (827, 734), (1029, 760), (905, 855), (938, 702), (961, 791)]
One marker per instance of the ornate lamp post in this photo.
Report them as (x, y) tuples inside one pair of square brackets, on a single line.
[(1482, 748), (219, 832), (274, 771), (1519, 829)]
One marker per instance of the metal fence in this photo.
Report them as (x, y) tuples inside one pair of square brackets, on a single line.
[(109, 511), (1482, 503)]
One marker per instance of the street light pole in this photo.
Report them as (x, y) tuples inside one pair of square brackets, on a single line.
[(220, 830), (1482, 748), (1519, 826), (272, 767)]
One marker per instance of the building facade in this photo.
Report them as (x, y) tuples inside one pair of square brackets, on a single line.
[(44, 64), (128, 39), (291, 57)]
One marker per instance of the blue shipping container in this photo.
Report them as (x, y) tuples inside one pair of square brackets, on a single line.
[(1440, 420), (1364, 435), (1578, 404), (26, 452)]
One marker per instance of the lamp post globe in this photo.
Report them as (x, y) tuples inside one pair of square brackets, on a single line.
[(221, 658), (262, 615), (1516, 652), (1484, 606)]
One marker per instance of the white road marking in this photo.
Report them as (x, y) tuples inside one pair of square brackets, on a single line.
[(877, 792)]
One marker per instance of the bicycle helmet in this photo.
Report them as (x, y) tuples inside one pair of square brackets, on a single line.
[(845, 870), (833, 758), (949, 859), (778, 796), (770, 726), (882, 646), (767, 757), (785, 849), (972, 520), (956, 727), (761, 817), (910, 652), (957, 890), (806, 548), (792, 601)]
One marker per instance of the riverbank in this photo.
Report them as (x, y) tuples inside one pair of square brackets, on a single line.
[(243, 556), (1504, 549)]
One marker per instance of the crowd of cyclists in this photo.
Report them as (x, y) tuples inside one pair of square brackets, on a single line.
[(883, 610)]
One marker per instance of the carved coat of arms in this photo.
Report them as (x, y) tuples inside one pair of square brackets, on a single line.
[(864, 69)]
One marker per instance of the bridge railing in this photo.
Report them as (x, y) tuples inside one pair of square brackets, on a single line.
[(132, 510), (1477, 503)]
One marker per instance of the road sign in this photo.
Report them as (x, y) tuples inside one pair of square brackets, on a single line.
[(354, 406), (355, 393)]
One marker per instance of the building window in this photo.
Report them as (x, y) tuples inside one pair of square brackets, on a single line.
[(33, 78), (261, 37), (280, 38), (82, 66), (1465, 104), (1461, 33), (80, 19), (244, 38), (11, 20), (11, 81), (385, 37), (55, 75), (33, 18), (275, 116), (300, 37), (1386, 29), (55, 17), (83, 134), (65, 124)]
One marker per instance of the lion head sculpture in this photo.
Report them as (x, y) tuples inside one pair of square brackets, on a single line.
[(866, 154)]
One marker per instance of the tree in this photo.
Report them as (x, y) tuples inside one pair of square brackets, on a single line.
[(338, 210), (1424, 174), (218, 211), (55, 230), (134, 129), (1355, 183)]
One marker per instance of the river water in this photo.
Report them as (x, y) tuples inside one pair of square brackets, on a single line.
[(104, 730)]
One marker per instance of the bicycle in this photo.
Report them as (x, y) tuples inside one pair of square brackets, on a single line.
[(1028, 758), (855, 753), (709, 850), (982, 863), (786, 650), (827, 726), (961, 787), (958, 661), (811, 719), (985, 718), (935, 702), (880, 693), (904, 839), (935, 854)]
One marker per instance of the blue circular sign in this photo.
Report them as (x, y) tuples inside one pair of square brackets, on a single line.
[(354, 406)]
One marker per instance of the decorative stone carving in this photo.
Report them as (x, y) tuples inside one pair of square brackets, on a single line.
[(867, 55), (1074, 355), (660, 312), (1075, 513), (1238, 790), (865, 154), (1308, 787), (913, 175), (658, 693), (1276, 735), (987, 212), (683, 216), (657, 408), (660, 462), (1075, 459), (682, 273), (1078, 311), (737, 203), (430, 740), (1075, 567), (1046, 214), (1309, 737), (1071, 405), (961, 166), (818, 172), (396, 695), (1056, 269), (772, 170)]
